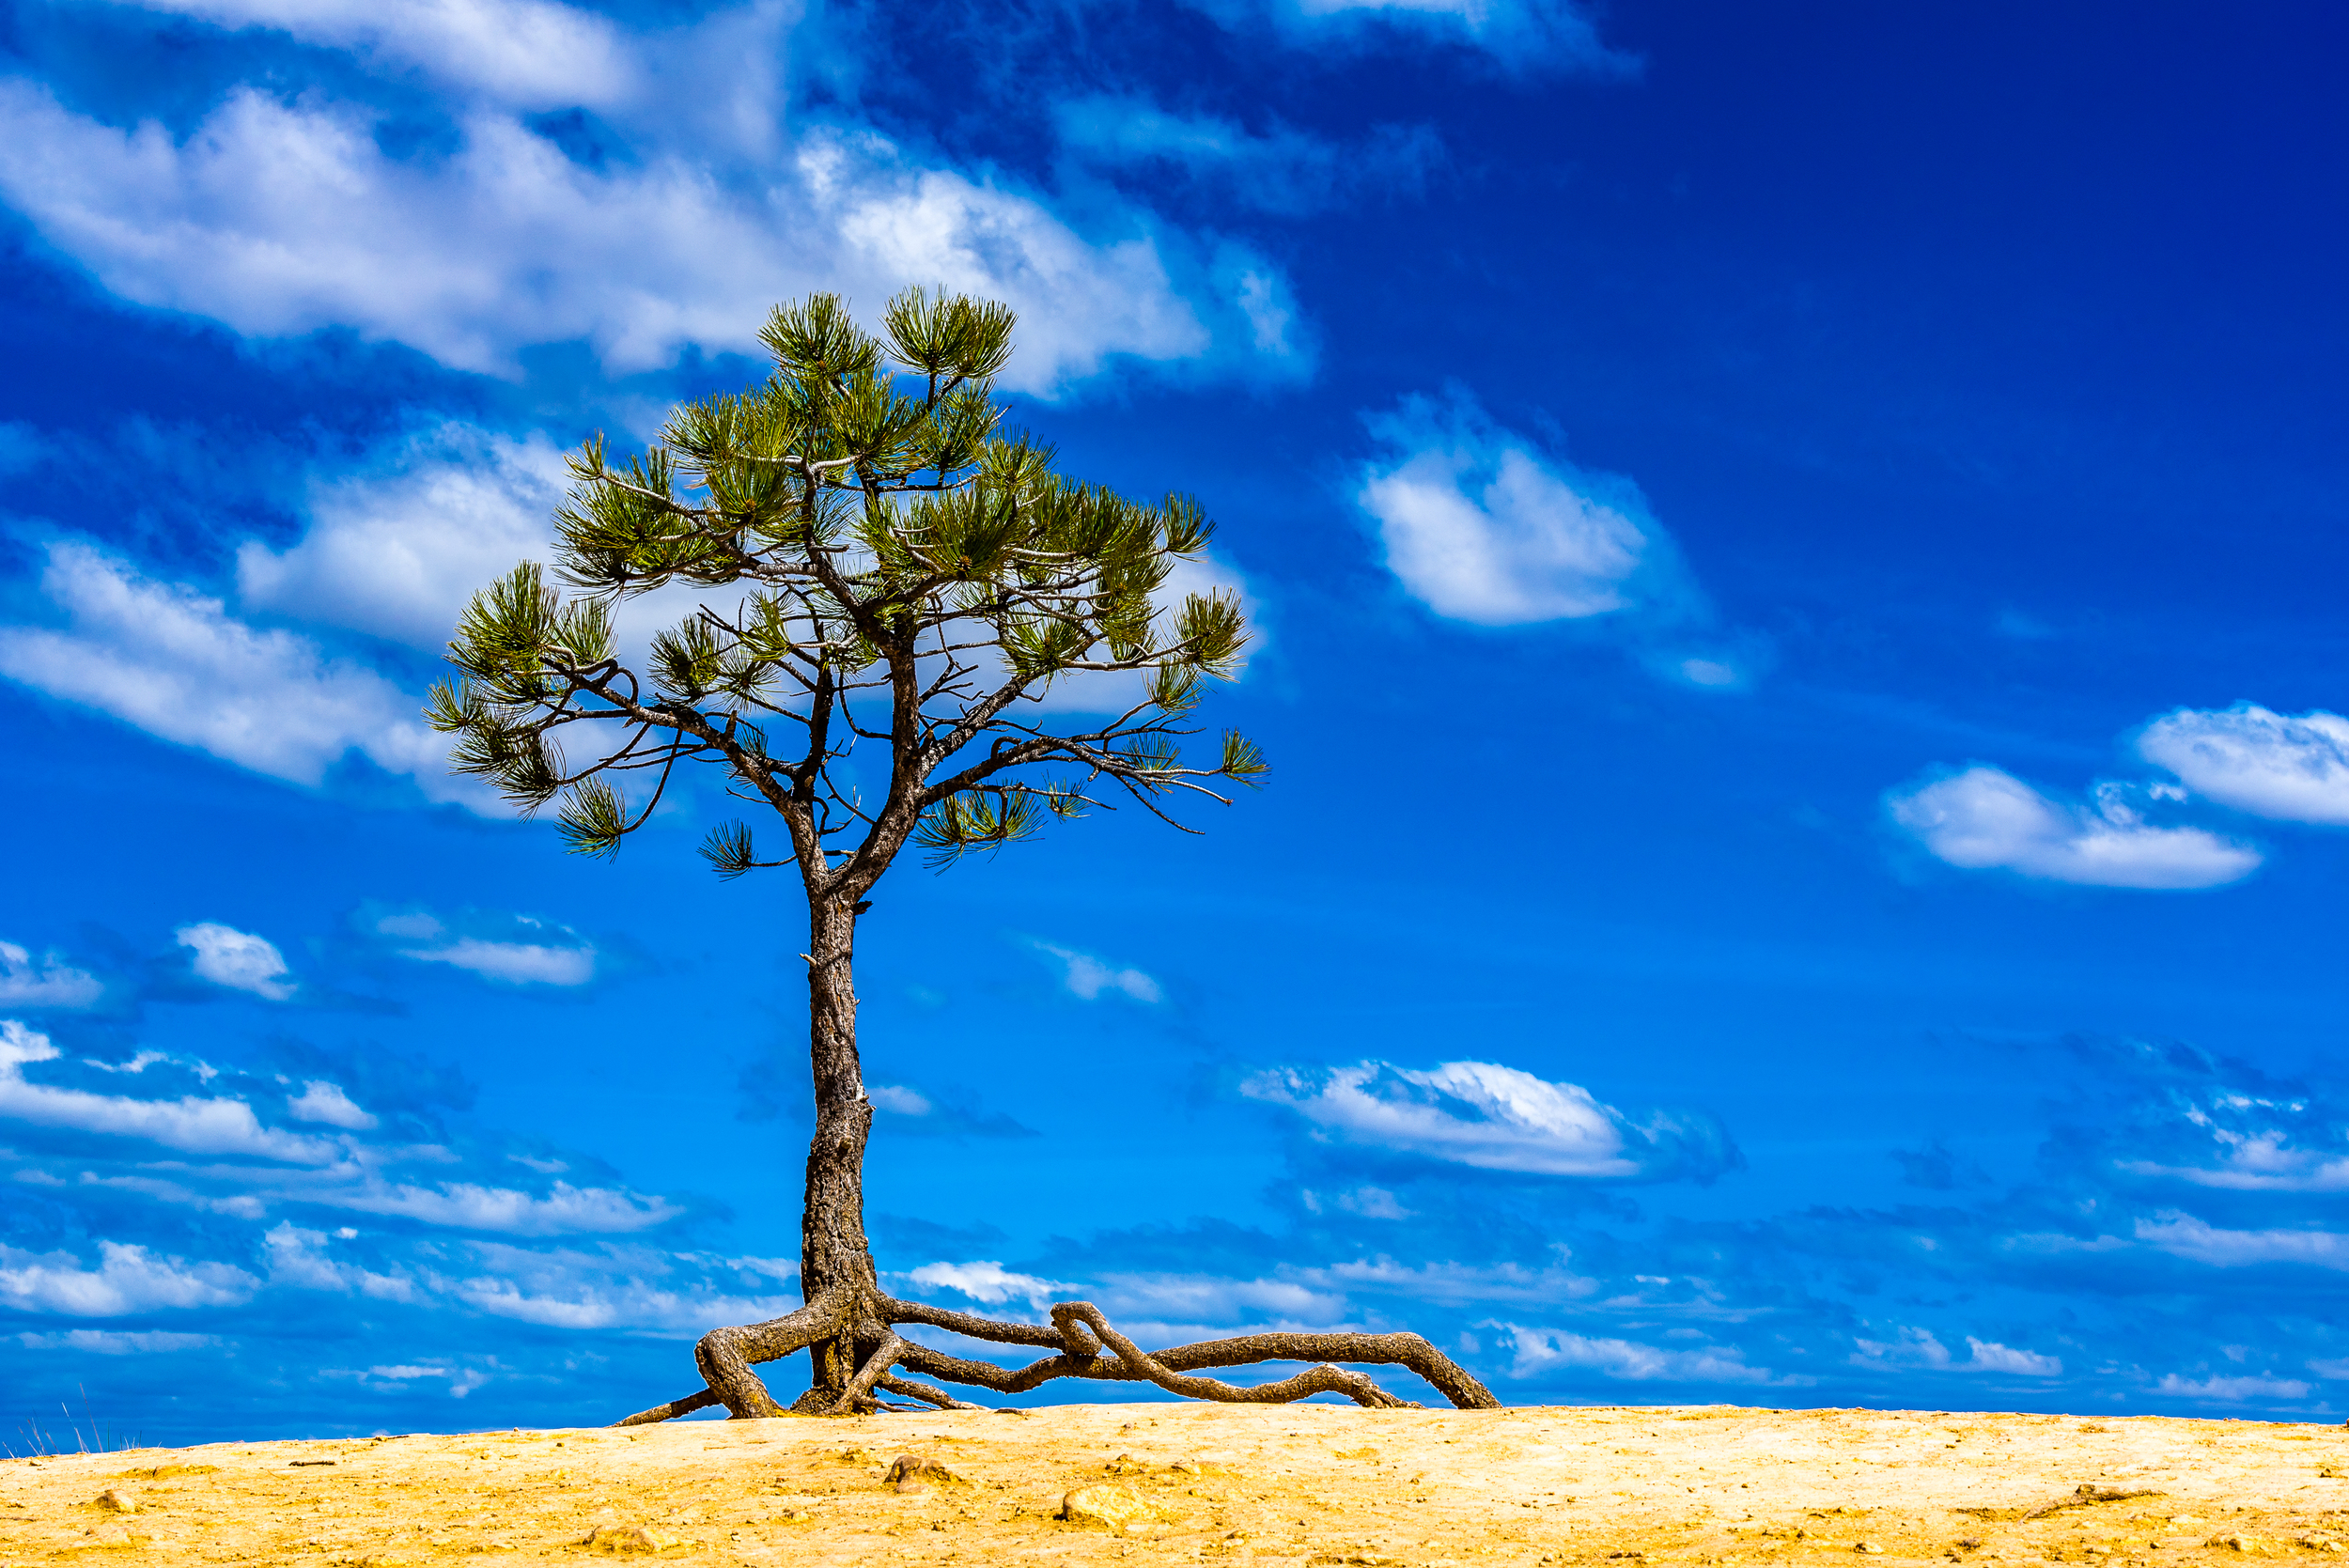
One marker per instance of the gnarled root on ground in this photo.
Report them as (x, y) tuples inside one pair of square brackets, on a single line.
[(856, 1338)]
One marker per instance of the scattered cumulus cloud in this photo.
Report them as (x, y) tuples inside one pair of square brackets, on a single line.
[(895, 1097), (216, 1125), (544, 954), (989, 1283), (2232, 1390), (1920, 1347), (679, 1295), (238, 959), (50, 981), (321, 1101), (1480, 526), (1540, 1352), (1495, 1118), (1983, 818), (2186, 1236), (1091, 979), (2293, 770), (303, 1259), (283, 212), (127, 1279)]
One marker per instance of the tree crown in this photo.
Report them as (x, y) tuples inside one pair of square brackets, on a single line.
[(911, 575)]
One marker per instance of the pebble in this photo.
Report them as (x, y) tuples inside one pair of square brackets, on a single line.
[(117, 1499), (1111, 1506), (628, 1538), (911, 1472)]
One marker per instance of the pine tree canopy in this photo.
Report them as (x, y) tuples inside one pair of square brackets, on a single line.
[(874, 557)]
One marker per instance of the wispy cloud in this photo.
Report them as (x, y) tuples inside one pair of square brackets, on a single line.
[(2232, 1390), (1539, 1351), (396, 549), (517, 950), (1521, 37), (1279, 169), (2295, 769), (176, 663), (1090, 978), (195, 1126), (1983, 818), (118, 1342), (1497, 1118), (50, 981), (1919, 1347), (2189, 1237)]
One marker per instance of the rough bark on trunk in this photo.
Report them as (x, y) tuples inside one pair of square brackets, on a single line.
[(835, 1260), (849, 1326)]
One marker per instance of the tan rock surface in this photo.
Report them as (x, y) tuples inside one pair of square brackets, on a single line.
[(1227, 1485)]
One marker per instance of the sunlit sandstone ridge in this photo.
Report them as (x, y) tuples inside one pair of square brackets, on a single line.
[(1176, 1482)]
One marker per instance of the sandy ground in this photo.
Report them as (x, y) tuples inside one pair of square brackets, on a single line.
[(1176, 1483)]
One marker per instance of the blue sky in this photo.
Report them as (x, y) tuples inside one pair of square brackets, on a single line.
[(1796, 556)]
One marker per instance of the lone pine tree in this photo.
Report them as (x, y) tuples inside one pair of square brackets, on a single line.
[(882, 574)]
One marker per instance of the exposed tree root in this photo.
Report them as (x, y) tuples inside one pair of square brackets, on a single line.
[(855, 1336)]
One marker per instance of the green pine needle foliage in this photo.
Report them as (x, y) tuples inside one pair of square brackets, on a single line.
[(874, 559)]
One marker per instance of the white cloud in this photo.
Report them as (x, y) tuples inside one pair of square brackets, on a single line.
[(1279, 170), (114, 1342), (2259, 1161), (621, 1288), (905, 1102), (1088, 977), (127, 1279), (1989, 1356), (1477, 1113), (1985, 818), (238, 959), (990, 1282), (176, 663), (1919, 1347), (470, 1205), (1519, 36), (397, 553), (1453, 1284), (516, 963), (321, 1101), (300, 1258), (1482, 527), (2186, 1236), (281, 216), (526, 53), (51, 983), (2296, 769), (2232, 1390), (1541, 1351), (1373, 1202), (1203, 1299), (462, 1380), (221, 1126)]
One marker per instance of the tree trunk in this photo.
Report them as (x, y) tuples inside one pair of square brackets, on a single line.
[(835, 1260)]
